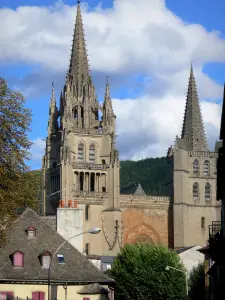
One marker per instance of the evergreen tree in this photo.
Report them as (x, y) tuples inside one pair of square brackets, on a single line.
[(197, 282)]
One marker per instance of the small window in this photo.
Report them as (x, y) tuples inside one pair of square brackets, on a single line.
[(45, 259), (80, 152), (206, 168), (60, 258), (92, 153), (195, 191), (103, 161), (207, 192), (203, 223), (196, 167), (31, 232), (87, 212), (18, 259), (87, 248)]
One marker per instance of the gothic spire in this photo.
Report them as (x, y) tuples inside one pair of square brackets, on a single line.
[(78, 67), (52, 107), (193, 129), (107, 101)]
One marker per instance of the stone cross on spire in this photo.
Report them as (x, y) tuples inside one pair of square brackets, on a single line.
[(193, 132)]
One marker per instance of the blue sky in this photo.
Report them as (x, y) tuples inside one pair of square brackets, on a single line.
[(148, 79)]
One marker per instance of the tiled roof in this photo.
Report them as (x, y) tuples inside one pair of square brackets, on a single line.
[(92, 289), (77, 268)]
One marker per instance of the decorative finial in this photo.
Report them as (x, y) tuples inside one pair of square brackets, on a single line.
[(78, 2), (107, 80), (53, 84)]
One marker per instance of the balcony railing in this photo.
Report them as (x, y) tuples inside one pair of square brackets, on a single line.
[(216, 230), (89, 166)]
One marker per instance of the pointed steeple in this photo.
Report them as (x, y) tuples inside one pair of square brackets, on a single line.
[(108, 117), (78, 67), (53, 114), (52, 106), (193, 133)]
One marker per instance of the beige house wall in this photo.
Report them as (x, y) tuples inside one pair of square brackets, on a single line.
[(25, 290)]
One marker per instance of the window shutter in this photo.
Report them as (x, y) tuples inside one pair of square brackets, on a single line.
[(6, 295), (35, 296), (38, 296), (18, 259), (46, 261), (86, 298), (42, 296)]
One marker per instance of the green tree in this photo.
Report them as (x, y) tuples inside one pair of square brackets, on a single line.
[(15, 180), (139, 273), (197, 282)]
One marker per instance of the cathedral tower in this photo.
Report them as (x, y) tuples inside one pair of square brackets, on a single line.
[(194, 177), (82, 150)]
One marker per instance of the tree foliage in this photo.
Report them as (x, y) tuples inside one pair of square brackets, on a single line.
[(139, 273), (197, 282), (15, 181)]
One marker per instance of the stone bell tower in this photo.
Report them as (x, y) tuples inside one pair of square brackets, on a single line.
[(194, 177), (85, 152)]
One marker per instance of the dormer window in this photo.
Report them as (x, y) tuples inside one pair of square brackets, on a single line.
[(18, 259), (31, 232), (45, 258), (60, 258)]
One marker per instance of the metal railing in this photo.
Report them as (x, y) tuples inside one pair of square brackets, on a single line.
[(216, 230)]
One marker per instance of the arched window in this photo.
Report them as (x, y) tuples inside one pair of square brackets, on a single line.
[(87, 248), (207, 192), (196, 167), (195, 191), (92, 153), (87, 212), (80, 152), (206, 168), (203, 223)]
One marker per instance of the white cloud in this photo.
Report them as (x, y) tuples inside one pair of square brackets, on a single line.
[(132, 37), (37, 149)]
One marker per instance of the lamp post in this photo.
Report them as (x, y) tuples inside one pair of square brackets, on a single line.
[(186, 276), (91, 231)]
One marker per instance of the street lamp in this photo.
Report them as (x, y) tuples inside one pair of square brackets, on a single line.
[(186, 276), (94, 230)]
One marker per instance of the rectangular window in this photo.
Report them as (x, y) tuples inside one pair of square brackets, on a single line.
[(18, 259), (60, 259), (46, 259), (38, 296), (6, 295), (86, 298)]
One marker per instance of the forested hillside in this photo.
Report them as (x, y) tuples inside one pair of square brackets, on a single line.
[(154, 175)]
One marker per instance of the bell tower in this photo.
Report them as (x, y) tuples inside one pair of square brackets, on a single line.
[(87, 156)]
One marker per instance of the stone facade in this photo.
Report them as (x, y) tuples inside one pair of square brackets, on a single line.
[(81, 169)]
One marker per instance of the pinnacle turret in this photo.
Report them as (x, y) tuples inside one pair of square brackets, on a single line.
[(193, 133), (53, 114)]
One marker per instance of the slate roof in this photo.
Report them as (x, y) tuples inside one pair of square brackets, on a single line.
[(77, 268), (133, 189), (181, 250), (92, 289)]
